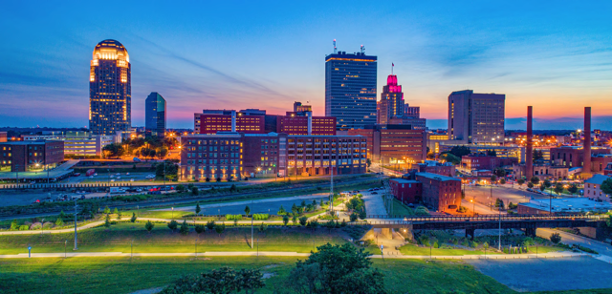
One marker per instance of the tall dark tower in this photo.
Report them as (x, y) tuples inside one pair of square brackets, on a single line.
[(110, 91), (155, 114), (350, 89)]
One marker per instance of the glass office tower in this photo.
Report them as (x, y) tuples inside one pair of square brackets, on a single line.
[(155, 115), (350, 89)]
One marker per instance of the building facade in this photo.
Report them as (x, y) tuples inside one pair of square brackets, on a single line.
[(517, 152), (248, 121), (155, 115), (26, 155), (406, 191), (477, 118), (110, 93), (393, 143), (391, 102), (592, 188), (350, 89), (440, 192), (233, 155), (3, 137)]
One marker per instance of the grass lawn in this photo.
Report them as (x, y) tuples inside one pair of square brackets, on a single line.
[(161, 239), (120, 275), (545, 249), (411, 249)]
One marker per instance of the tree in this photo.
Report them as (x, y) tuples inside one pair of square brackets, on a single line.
[(198, 209), (535, 180), (449, 157), (555, 238), (285, 219), (499, 203), (107, 223), (336, 269), (530, 185), (115, 211), (606, 187), (573, 188), (460, 151), (62, 214), (542, 188), (218, 281), (200, 229), (247, 211), (263, 227), (368, 162), (133, 219), (118, 215), (106, 210), (281, 210), (294, 208), (59, 223), (502, 181), (558, 188), (520, 182), (220, 228), (362, 214), (172, 225), (547, 184), (180, 188), (537, 155), (303, 220), (113, 150), (353, 217), (500, 172), (184, 228), (149, 226), (210, 225), (294, 218), (493, 178), (194, 191), (421, 210)]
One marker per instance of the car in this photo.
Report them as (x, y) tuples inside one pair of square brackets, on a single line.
[(112, 180), (95, 174), (131, 180), (374, 192), (118, 174)]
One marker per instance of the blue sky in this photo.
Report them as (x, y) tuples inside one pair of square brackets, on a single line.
[(556, 56)]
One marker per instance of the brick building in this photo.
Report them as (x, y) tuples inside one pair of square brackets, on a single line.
[(542, 171), (573, 156), (25, 155), (406, 191), (3, 137), (393, 143), (474, 162), (440, 192), (434, 167), (230, 155)]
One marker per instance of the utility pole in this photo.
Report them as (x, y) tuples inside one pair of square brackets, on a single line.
[(251, 231), (75, 225), (499, 240), (331, 192)]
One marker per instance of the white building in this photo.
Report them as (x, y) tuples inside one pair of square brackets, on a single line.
[(592, 188)]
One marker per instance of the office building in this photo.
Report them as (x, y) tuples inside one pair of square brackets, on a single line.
[(86, 144), (437, 192), (231, 155), (393, 144), (110, 92), (350, 89), (391, 102), (302, 122), (155, 115), (28, 155), (477, 118)]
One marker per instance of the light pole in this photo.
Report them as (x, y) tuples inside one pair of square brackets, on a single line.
[(42, 226), (473, 206), (75, 225), (65, 245), (251, 231), (172, 212)]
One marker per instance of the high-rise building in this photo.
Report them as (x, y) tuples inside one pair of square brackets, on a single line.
[(391, 102), (110, 92), (350, 89), (477, 118), (155, 114)]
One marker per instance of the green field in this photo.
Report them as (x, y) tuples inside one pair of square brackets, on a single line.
[(411, 249), (120, 275), (161, 240)]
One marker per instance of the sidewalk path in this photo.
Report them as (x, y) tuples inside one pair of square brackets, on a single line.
[(283, 254)]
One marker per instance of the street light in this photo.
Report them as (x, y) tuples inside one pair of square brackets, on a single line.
[(172, 212)]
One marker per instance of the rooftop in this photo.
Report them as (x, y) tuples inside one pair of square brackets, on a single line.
[(436, 177), (569, 205), (597, 179), (404, 181)]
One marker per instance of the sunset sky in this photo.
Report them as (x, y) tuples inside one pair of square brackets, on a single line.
[(556, 56)]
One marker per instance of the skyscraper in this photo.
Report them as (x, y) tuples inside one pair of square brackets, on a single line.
[(391, 102), (477, 118), (155, 114), (350, 89), (110, 89)]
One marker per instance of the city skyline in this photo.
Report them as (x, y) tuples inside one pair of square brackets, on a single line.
[(212, 62)]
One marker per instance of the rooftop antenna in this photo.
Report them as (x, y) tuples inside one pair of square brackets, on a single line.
[(362, 49), (335, 49), (392, 65)]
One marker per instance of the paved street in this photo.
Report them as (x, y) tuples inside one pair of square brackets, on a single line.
[(601, 247), (374, 203)]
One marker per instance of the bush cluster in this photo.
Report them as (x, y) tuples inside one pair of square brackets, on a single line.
[(261, 216), (233, 217)]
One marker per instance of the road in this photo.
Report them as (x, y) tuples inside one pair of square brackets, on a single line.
[(567, 238)]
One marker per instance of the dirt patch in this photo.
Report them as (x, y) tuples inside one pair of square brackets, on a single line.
[(268, 275), (149, 291)]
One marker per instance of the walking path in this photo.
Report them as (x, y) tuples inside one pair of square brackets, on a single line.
[(284, 254)]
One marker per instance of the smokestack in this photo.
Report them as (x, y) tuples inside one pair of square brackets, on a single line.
[(586, 166), (309, 114), (529, 149)]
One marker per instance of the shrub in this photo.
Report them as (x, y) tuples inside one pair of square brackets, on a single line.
[(210, 225), (149, 226), (555, 238), (24, 227), (261, 216), (36, 226), (48, 225), (172, 225), (200, 229), (14, 225)]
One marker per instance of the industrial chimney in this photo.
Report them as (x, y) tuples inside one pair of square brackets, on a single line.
[(529, 149), (586, 166)]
